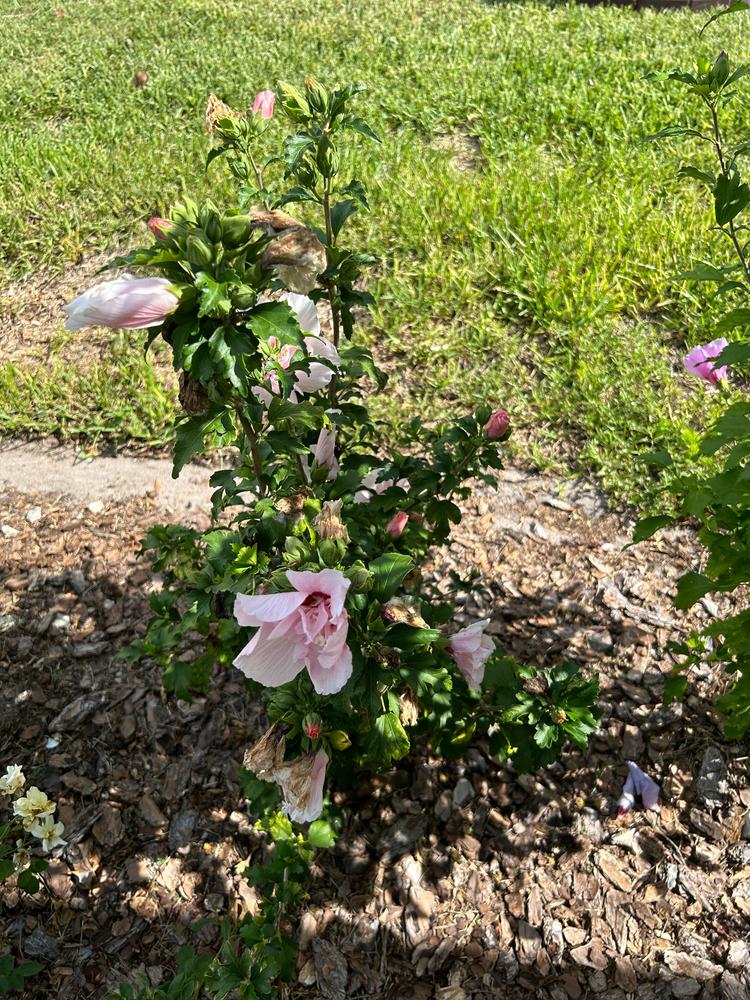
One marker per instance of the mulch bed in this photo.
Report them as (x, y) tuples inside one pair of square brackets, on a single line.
[(451, 880)]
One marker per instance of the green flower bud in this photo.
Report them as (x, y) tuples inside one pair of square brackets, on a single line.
[(235, 231), (360, 576), (198, 252), (339, 740)]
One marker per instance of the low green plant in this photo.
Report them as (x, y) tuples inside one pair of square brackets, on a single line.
[(718, 503)]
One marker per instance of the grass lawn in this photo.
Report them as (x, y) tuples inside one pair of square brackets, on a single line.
[(540, 278)]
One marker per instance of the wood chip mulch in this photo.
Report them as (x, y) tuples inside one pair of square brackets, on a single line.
[(451, 880)]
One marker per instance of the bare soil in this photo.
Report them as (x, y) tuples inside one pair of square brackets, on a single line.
[(451, 880)]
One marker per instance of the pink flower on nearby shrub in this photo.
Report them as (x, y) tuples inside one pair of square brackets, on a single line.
[(471, 649), (160, 227), (306, 627), (123, 304), (263, 103), (498, 424), (372, 484), (638, 785), (397, 523), (700, 361)]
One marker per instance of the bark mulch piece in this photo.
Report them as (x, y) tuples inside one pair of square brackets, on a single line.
[(451, 880)]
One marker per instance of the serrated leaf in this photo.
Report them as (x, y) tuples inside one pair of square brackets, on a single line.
[(648, 526), (275, 319), (189, 436), (691, 587)]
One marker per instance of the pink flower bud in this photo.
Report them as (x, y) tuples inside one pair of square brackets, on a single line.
[(312, 726), (498, 424), (397, 523), (160, 227), (263, 103)]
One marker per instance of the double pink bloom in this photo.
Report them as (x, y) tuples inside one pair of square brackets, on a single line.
[(306, 627), (123, 304), (700, 361), (471, 649)]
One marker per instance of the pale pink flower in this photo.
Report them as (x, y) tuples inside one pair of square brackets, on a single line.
[(318, 376), (498, 424), (160, 227), (471, 649), (397, 523), (324, 451), (306, 627), (371, 484), (700, 361), (123, 304), (263, 103), (638, 785)]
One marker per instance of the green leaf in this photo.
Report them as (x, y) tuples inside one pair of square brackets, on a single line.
[(674, 688), (730, 197), (734, 319), (648, 526), (545, 734), (406, 637), (189, 437), (28, 882), (739, 7), (340, 212), (275, 319), (388, 572), (691, 587), (359, 125), (6, 869), (698, 175), (214, 300), (735, 354), (388, 740), (321, 835)]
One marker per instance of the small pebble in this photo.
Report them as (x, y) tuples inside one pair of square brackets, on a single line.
[(463, 792), (8, 531), (60, 624), (34, 515), (96, 506)]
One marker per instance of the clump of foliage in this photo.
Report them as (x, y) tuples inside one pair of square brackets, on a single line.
[(719, 503)]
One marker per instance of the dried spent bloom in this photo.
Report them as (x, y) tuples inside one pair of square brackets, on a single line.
[(48, 831), (13, 781), (402, 611), (700, 361), (638, 785), (498, 424), (266, 755), (328, 523), (306, 627), (263, 103), (33, 806), (216, 110), (471, 649), (302, 781)]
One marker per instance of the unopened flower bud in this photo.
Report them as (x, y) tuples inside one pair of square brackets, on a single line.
[(160, 227), (360, 576), (312, 724), (339, 740), (498, 424), (263, 103), (396, 525)]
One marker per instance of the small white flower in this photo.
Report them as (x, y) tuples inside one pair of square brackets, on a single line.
[(13, 781), (33, 806), (48, 832), (21, 857)]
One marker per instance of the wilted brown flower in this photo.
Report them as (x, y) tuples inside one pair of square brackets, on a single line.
[(293, 505), (328, 523), (295, 251), (399, 611), (266, 755), (408, 708), (193, 397), (216, 109)]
